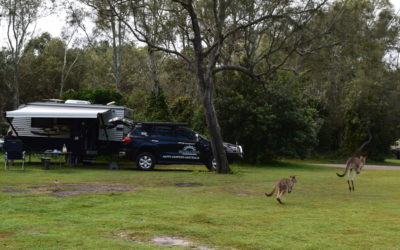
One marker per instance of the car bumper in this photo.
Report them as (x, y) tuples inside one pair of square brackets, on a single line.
[(234, 152)]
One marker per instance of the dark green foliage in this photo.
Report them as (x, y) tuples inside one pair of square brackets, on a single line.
[(350, 87), (97, 96), (157, 108), (269, 121), (149, 107), (137, 101), (184, 110), (358, 84), (373, 111)]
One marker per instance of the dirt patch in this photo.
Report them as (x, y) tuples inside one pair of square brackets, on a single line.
[(126, 236), (17, 191), (63, 190), (75, 189), (174, 241), (7, 234), (188, 184), (243, 193)]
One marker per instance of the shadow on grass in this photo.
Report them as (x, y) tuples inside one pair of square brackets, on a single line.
[(104, 166), (129, 166), (287, 164)]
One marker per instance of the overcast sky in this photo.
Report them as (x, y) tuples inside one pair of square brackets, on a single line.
[(55, 22)]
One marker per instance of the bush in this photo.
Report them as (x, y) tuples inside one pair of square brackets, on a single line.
[(157, 108), (184, 110), (271, 121), (97, 96)]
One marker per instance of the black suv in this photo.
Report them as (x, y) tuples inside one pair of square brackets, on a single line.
[(151, 143)]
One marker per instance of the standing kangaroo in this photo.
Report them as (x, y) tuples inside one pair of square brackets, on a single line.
[(283, 185), (356, 164)]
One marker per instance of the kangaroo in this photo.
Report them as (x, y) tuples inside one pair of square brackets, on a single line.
[(283, 185), (356, 164)]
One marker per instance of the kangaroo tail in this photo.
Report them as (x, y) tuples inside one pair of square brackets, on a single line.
[(341, 175), (272, 192), (345, 171)]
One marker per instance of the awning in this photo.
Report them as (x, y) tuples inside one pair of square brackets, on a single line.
[(56, 112)]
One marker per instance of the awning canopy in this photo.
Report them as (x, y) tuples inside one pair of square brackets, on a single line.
[(56, 112)]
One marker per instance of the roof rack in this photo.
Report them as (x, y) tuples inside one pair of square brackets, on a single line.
[(127, 122), (169, 124), (53, 100)]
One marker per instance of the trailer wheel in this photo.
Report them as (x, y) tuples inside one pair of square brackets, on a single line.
[(145, 161)]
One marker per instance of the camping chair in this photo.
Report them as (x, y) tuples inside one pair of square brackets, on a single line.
[(13, 150)]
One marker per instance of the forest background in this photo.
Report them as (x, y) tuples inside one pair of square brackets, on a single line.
[(330, 83)]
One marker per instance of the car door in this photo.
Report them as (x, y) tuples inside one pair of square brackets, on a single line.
[(189, 150), (167, 145)]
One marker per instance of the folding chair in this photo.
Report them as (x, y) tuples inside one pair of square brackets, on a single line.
[(13, 151)]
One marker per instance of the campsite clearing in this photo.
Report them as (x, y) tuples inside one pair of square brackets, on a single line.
[(130, 208)]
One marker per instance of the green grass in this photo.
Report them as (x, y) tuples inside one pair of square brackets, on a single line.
[(393, 161), (227, 212), (342, 160)]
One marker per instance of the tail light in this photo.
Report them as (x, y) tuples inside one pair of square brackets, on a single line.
[(126, 140)]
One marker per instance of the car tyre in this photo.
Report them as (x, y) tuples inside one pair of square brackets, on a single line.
[(145, 161), (212, 164)]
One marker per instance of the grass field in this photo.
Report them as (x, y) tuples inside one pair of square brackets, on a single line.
[(205, 209)]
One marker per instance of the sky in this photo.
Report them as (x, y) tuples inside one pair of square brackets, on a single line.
[(54, 23), (396, 4)]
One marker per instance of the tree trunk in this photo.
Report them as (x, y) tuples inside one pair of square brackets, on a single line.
[(214, 129), (2, 122), (153, 71), (15, 86), (116, 53), (63, 72), (205, 81)]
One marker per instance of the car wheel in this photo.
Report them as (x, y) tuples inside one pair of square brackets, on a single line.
[(145, 161), (212, 164)]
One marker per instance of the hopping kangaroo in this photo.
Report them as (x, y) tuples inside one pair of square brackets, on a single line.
[(356, 164), (283, 185)]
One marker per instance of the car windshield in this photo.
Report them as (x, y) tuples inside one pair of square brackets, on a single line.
[(202, 137)]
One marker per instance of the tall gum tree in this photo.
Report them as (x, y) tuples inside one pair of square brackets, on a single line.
[(109, 24), (206, 29), (19, 16)]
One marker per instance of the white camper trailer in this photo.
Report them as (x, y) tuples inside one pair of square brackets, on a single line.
[(79, 125)]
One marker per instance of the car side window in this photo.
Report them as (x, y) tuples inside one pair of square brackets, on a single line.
[(162, 133), (139, 131), (185, 135)]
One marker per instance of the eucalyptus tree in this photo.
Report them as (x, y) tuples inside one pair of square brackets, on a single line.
[(68, 38), (4, 68), (106, 21), (19, 17), (355, 80), (209, 27)]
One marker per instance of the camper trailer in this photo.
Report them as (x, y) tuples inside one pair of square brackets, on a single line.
[(80, 126)]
